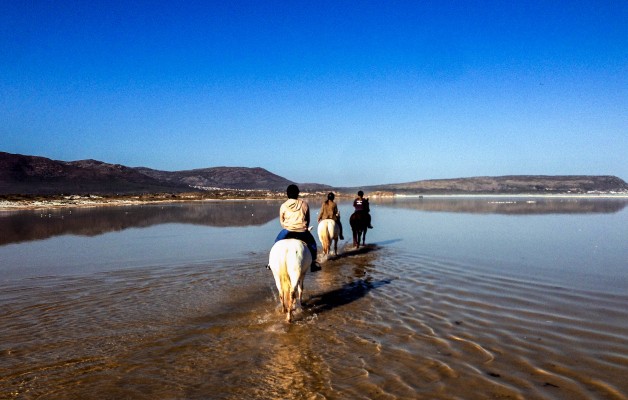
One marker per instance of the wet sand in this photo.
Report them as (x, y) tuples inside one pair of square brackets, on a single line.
[(374, 325), (392, 321)]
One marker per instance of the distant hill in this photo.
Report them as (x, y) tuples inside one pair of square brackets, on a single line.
[(513, 184), (221, 177), (22, 174)]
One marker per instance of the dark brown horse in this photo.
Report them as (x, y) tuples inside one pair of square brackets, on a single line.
[(359, 222)]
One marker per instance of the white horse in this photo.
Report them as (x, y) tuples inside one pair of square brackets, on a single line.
[(327, 232), (289, 260)]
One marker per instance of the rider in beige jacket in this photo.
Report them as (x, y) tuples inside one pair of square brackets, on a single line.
[(329, 210), (294, 217)]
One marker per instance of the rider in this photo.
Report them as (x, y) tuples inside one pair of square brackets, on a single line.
[(361, 204), (294, 216), (329, 210)]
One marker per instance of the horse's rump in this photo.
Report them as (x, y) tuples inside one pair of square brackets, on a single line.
[(327, 231), (289, 260), (359, 222)]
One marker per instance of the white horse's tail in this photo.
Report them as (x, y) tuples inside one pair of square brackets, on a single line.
[(325, 236), (286, 287)]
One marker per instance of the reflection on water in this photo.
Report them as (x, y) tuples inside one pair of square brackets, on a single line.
[(441, 305), (24, 226), (508, 205)]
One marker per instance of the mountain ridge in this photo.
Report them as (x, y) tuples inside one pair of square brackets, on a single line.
[(242, 178), (510, 184), (24, 174), (35, 175)]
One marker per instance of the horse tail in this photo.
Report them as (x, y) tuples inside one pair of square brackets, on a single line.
[(325, 235), (286, 286), (326, 239)]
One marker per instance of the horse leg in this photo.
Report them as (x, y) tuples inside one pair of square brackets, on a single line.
[(290, 306), (280, 290), (296, 296), (300, 294), (284, 306)]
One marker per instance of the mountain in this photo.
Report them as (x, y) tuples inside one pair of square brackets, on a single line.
[(221, 177), (512, 184), (22, 174)]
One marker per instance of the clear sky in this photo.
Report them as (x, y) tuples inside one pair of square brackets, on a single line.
[(346, 93)]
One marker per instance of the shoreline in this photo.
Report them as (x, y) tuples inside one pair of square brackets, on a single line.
[(40, 204), (522, 195), (76, 201)]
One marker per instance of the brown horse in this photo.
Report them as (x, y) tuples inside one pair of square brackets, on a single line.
[(359, 222)]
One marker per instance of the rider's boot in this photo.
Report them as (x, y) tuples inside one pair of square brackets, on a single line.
[(315, 267)]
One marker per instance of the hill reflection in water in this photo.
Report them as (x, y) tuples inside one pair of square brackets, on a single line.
[(507, 205), (29, 225), (23, 226)]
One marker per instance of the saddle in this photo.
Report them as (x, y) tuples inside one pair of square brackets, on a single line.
[(295, 235)]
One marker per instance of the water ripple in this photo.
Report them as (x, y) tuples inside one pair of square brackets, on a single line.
[(375, 324)]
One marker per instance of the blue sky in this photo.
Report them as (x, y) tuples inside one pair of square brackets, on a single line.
[(337, 92)]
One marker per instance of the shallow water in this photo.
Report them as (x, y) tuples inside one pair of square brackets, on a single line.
[(452, 299)]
